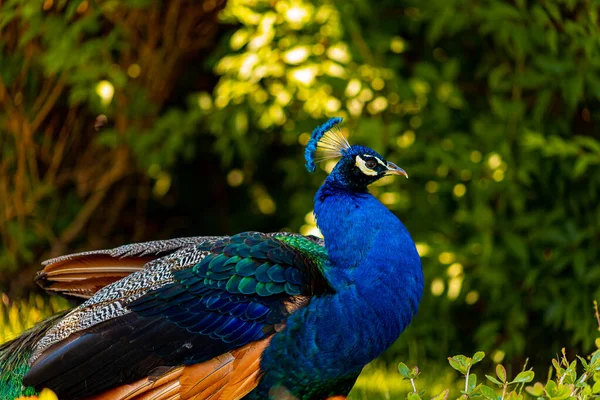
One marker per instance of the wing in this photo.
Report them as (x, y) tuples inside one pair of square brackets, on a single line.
[(229, 376), (83, 274), (183, 310)]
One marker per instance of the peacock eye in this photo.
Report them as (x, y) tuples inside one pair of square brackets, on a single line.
[(371, 164)]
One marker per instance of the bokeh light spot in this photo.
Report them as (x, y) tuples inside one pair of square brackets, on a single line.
[(366, 94), (377, 84), (378, 105), (454, 287), (235, 177), (296, 55), (415, 122), (333, 104), (406, 139), (304, 138), (494, 160), (297, 16), (446, 257), (204, 101), (498, 356), (459, 190), (442, 171), (455, 270), (309, 218), (106, 91), (437, 287), (304, 75), (498, 175), (390, 198), (472, 297), (353, 87), (162, 184), (476, 156), (310, 230), (340, 53), (134, 71), (431, 186), (397, 44), (423, 249)]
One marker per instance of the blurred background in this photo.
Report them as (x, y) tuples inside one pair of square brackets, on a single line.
[(491, 107)]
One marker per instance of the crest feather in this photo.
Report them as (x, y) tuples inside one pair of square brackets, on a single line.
[(326, 142)]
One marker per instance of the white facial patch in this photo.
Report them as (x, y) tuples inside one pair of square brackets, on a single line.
[(360, 163)]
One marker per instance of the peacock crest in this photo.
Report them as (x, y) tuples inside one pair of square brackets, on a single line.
[(327, 141)]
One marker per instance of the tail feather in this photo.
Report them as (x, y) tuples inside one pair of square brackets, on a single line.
[(14, 359)]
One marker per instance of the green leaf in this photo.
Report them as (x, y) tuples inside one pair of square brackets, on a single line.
[(536, 390), (581, 166), (442, 396), (472, 383), (404, 370), (517, 245), (551, 388), (589, 143), (414, 372), (595, 357), (488, 392), (533, 140), (477, 357), (553, 10), (504, 11), (583, 362), (413, 396), (555, 364), (558, 392), (524, 377), (459, 363), (573, 90), (501, 372), (494, 380), (542, 104)]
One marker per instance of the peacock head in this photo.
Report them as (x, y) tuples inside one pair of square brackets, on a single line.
[(358, 166)]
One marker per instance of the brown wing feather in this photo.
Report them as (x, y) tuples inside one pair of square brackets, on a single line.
[(246, 372), (85, 275), (229, 376)]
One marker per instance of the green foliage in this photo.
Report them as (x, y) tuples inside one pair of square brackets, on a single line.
[(62, 64), (567, 380)]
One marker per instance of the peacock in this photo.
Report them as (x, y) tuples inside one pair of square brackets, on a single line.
[(250, 316)]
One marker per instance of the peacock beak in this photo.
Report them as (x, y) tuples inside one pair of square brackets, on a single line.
[(396, 170)]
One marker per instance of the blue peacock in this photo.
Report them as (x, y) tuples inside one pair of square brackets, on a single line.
[(249, 316)]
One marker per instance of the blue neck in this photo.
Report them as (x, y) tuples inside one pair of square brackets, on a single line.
[(371, 252), (376, 273), (360, 233)]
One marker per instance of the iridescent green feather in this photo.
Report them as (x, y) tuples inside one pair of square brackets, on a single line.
[(315, 254), (14, 360), (313, 251), (11, 377)]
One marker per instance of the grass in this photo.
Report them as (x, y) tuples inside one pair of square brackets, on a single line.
[(379, 381), (17, 316)]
